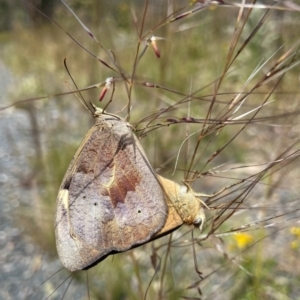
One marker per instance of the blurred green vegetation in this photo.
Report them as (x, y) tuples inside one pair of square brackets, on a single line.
[(193, 55)]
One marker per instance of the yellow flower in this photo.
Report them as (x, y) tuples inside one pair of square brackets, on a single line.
[(243, 239), (295, 231)]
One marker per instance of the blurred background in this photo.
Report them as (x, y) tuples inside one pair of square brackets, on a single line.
[(220, 109)]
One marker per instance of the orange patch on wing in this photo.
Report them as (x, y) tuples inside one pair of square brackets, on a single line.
[(126, 178)]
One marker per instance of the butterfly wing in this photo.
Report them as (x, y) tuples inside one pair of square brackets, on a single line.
[(110, 199)]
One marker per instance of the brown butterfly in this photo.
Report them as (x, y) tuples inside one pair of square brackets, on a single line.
[(111, 200)]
